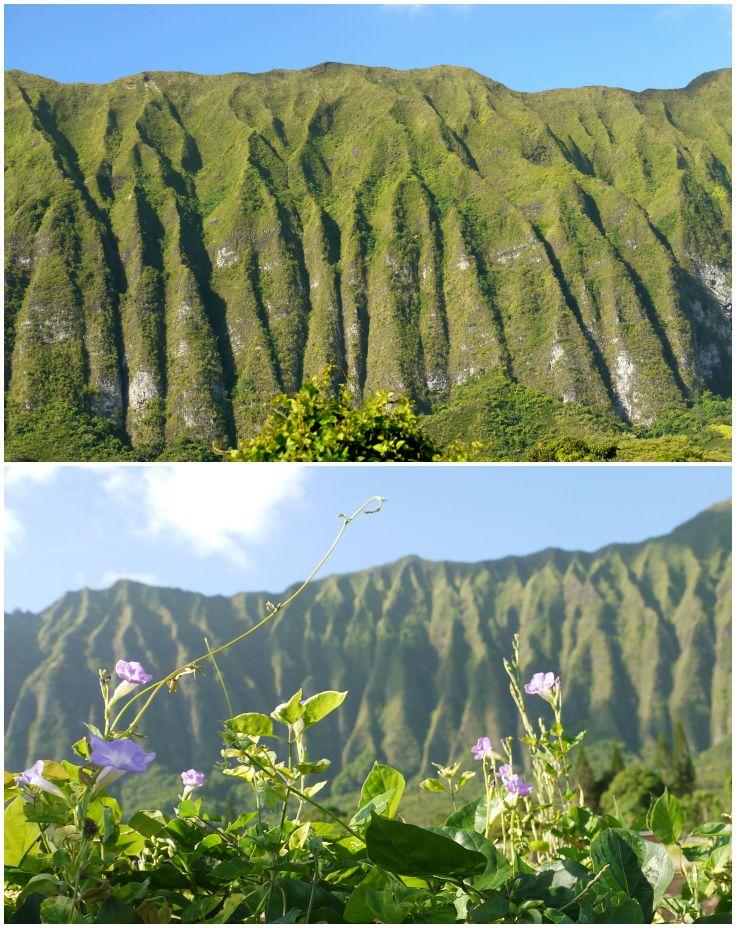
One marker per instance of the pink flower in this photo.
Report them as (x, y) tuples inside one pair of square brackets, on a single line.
[(542, 684), (515, 786), (192, 778), (120, 754), (132, 672), (482, 748), (33, 776)]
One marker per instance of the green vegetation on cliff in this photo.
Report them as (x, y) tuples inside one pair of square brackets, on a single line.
[(180, 248), (640, 633)]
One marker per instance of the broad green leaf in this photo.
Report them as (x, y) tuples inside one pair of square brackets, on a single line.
[(377, 805), (289, 712), (45, 884), (497, 866), (357, 910), (433, 785), (147, 824), (228, 908), (407, 849), (665, 819), (712, 828), (320, 705), (493, 909), (464, 817), (20, 834), (251, 723), (621, 911), (641, 869), (556, 883), (380, 780), (57, 910)]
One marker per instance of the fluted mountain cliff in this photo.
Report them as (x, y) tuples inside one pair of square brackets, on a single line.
[(640, 634), (180, 247)]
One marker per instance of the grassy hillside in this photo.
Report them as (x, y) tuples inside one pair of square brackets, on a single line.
[(640, 634), (179, 248)]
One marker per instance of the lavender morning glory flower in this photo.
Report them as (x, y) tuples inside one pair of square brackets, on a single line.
[(505, 771), (132, 672), (33, 776), (482, 748), (192, 778), (515, 786), (132, 675), (121, 754), (542, 684)]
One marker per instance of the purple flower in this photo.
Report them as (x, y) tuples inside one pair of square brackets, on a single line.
[(192, 778), (542, 684), (132, 672), (515, 786), (505, 771), (33, 776), (121, 754), (482, 748)]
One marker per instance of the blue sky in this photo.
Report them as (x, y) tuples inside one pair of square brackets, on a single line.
[(525, 47), (224, 528)]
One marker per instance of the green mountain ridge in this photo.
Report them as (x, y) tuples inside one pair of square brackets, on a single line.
[(640, 634), (179, 248)]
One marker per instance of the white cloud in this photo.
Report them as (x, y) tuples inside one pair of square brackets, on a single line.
[(13, 530), (112, 576), (218, 510), (20, 475)]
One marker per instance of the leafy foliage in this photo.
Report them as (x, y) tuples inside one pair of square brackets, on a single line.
[(71, 857), (317, 424)]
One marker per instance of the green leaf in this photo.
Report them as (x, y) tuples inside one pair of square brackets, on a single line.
[(146, 824), (380, 780), (413, 851), (377, 805), (45, 884), (641, 869), (20, 834), (493, 909), (320, 705), (251, 723), (433, 785), (58, 910), (497, 866), (665, 819), (625, 912), (289, 712), (712, 828), (464, 817), (556, 883), (464, 777), (357, 910)]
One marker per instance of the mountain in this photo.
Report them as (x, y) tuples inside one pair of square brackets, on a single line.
[(640, 634), (180, 247)]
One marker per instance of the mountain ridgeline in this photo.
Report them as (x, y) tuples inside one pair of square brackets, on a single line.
[(179, 248), (639, 633)]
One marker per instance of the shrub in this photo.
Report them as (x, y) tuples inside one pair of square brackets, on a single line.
[(631, 792), (59, 431), (320, 424), (570, 448)]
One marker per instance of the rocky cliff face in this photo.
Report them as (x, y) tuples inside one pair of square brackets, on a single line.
[(179, 248), (639, 633)]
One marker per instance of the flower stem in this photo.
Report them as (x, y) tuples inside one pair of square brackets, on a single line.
[(155, 688)]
